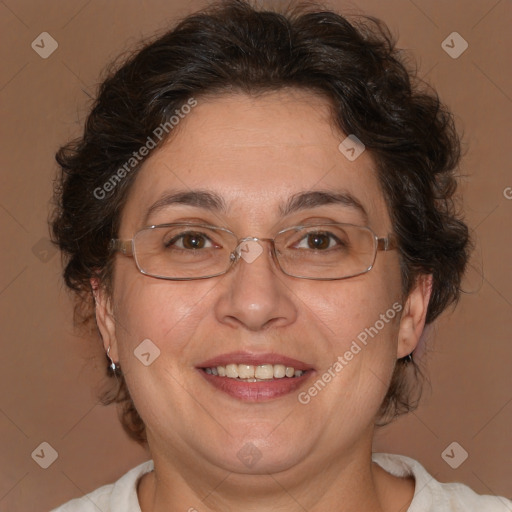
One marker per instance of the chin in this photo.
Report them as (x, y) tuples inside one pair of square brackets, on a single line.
[(263, 449)]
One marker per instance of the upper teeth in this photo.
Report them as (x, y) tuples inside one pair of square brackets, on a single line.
[(259, 372)]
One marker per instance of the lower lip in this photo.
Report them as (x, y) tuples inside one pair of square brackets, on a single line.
[(256, 391)]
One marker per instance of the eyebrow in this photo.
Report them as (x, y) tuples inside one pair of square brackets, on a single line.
[(314, 198), (209, 200)]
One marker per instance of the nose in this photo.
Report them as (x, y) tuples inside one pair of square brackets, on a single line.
[(253, 294)]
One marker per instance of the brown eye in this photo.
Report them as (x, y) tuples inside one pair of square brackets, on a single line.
[(318, 241), (189, 241), (193, 241)]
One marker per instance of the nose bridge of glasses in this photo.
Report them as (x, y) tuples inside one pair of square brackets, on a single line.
[(249, 248)]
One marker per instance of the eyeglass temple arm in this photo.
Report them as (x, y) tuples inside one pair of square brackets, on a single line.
[(387, 244), (124, 246)]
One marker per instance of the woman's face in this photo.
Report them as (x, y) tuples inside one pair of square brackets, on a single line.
[(256, 154)]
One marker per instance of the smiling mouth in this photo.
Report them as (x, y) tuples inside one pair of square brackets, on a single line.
[(255, 377), (254, 373)]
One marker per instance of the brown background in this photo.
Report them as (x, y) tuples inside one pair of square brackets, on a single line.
[(50, 376)]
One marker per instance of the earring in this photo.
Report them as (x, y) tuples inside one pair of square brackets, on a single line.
[(408, 358), (113, 366)]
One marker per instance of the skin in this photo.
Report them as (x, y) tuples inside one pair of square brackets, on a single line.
[(256, 152)]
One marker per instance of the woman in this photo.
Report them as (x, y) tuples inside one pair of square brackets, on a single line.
[(260, 215)]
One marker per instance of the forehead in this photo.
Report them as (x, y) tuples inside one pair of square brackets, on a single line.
[(255, 154)]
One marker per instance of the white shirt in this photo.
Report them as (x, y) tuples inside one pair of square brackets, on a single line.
[(429, 494)]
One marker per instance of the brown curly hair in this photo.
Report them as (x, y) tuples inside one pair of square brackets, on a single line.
[(233, 46)]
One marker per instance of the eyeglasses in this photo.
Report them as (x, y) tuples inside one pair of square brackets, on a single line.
[(185, 251)]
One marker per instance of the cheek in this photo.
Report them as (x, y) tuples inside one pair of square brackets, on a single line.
[(167, 313), (346, 310), (360, 319), (156, 324)]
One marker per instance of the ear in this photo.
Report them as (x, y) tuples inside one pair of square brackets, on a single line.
[(105, 318), (413, 317)]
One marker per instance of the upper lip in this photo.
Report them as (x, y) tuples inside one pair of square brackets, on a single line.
[(255, 359)]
